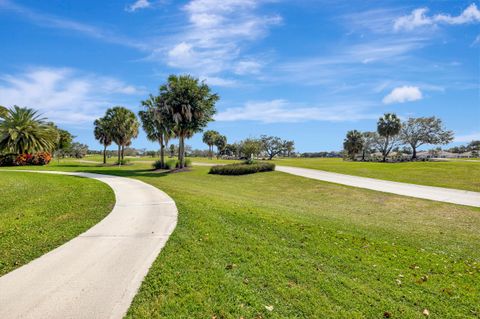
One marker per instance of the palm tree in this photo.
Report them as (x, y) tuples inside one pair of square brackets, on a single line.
[(103, 134), (190, 105), (156, 124), (353, 143), (23, 130), (388, 127), (220, 142), (209, 138), (123, 126)]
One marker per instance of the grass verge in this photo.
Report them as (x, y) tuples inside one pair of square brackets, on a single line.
[(451, 174), (39, 212)]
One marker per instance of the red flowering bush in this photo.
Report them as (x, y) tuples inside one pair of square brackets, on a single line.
[(40, 158), (23, 159)]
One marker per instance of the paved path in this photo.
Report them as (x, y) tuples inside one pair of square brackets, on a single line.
[(440, 194), (97, 274)]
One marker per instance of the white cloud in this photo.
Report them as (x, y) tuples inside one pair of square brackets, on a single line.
[(403, 94), (467, 138), (218, 81), (52, 21), (247, 67), (62, 94), (419, 18), (213, 39), (139, 4), (282, 111)]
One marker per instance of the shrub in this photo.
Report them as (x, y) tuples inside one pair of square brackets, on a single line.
[(7, 160), (171, 164), (158, 164), (242, 169), (123, 162), (23, 159), (41, 158)]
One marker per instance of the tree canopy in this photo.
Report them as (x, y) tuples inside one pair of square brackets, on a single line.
[(424, 130), (353, 143), (191, 106), (23, 130)]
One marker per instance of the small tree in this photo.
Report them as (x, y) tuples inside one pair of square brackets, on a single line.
[(368, 143), (424, 130), (353, 143), (251, 147), (172, 150), (273, 145), (473, 146), (157, 124), (289, 147), (103, 134), (209, 138), (123, 126), (191, 106), (220, 143), (78, 150), (388, 127)]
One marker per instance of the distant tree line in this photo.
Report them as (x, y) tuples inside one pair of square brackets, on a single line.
[(264, 146), (391, 133)]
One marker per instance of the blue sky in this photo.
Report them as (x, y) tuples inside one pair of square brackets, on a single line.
[(304, 70)]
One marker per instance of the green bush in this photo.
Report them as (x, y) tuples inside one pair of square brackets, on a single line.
[(242, 169), (123, 162), (171, 164)]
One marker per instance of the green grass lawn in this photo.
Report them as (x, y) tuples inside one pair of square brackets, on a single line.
[(39, 212), (273, 245), (455, 174)]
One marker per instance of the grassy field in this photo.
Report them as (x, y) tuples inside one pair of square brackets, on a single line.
[(456, 174), (272, 245), (39, 212), (301, 247)]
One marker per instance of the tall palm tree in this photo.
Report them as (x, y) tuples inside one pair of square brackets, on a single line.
[(156, 124), (388, 127), (209, 138), (103, 134), (123, 125), (191, 106), (23, 130)]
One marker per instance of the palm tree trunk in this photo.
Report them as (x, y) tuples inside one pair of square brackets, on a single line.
[(123, 152), (181, 152), (105, 154), (162, 154), (119, 154)]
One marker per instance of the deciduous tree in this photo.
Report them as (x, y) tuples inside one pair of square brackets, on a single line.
[(424, 130)]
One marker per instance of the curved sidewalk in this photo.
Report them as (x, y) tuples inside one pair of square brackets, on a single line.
[(97, 274), (440, 194)]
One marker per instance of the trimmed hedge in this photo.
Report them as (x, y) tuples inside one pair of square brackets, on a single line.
[(242, 169), (171, 164)]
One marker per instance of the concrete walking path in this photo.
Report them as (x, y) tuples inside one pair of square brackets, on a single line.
[(448, 195), (97, 274)]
